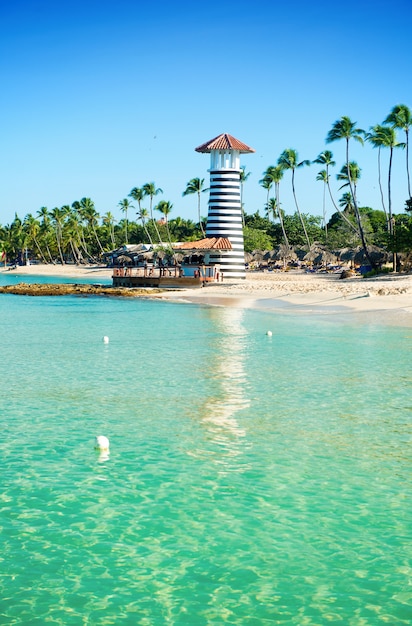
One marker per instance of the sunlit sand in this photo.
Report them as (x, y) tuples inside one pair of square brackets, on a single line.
[(391, 294)]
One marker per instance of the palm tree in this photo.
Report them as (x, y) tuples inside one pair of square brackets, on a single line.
[(354, 176), (71, 229), (12, 239), (377, 139), (57, 215), (32, 227), (289, 160), (79, 218), (137, 194), (345, 129), (124, 207), (385, 137), (324, 177), (109, 221), (326, 158), (165, 209), (346, 202), (143, 215), (149, 189), (45, 229), (267, 183), (195, 185), (89, 213), (272, 176), (401, 117), (273, 209)]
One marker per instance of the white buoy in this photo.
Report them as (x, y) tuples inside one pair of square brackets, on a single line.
[(269, 333), (102, 443), (105, 339)]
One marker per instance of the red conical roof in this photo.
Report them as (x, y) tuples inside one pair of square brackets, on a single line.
[(224, 142)]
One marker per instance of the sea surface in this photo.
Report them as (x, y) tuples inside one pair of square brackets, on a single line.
[(251, 479)]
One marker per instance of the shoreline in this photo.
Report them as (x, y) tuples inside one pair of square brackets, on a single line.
[(387, 297)]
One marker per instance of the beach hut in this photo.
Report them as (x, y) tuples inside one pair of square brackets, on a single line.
[(202, 254)]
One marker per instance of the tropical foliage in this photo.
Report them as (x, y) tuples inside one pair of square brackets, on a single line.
[(76, 232)]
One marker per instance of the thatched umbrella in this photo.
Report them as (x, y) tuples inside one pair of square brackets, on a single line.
[(284, 253), (376, 255), (300, 252), (258, 255), (346, 254), (123, 259), (320, 256)]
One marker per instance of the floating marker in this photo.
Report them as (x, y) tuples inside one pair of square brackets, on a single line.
[(269, 333), (102, 443), (105, 339)]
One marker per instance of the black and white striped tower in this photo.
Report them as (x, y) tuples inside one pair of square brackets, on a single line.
[(224, 217)]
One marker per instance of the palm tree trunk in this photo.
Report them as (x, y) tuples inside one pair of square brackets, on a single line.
[(407, 160), (324, 212), (355, 206), (40, 250), (380, 184), (394, 261), (343, 216), (154, 221), (298, 210), (282, 225), (147, 233)]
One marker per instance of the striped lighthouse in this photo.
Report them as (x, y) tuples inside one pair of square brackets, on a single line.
[(224, 217)]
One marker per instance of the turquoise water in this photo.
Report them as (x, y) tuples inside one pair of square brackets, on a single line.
[(251, 479)]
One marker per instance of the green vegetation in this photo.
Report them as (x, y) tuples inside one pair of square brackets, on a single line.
[(77, 233)]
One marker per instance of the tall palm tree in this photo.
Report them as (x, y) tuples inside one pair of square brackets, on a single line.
[(57, 215), (137, 194), (289, 160), (165, 207), (45, 228), (324, 177), (143, 216), (124, 207), (354, 176), (345, 129), (71, 229), (91, 216), (346, 202), (196, 185), (150, 190), (401, 117), (326, 158), (109, 221), (273, 209), (272, 176), (79, 219), (376, 137), (385, 137), (267, 183), (32, 227)]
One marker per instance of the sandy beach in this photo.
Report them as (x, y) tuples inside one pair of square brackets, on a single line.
[(388, 296)]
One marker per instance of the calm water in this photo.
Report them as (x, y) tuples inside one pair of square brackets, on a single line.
[(251, 480)]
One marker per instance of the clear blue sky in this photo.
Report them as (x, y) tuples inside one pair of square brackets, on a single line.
[(100, 96)]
